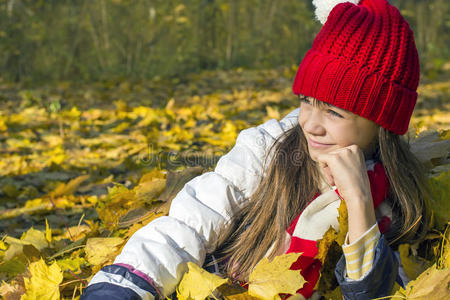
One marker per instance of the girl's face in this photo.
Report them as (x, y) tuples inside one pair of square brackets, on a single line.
[(328, 128)]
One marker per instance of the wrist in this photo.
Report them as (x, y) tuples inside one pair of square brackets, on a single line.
[(358, 199), (361, 217)]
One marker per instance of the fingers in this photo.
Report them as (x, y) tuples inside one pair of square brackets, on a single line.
[(349, 150), (344, 154), (328, 175), (342, 166), (346, 169), (325, 160)]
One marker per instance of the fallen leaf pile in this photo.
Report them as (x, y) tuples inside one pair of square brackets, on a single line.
[(268, 279), (83, 167)]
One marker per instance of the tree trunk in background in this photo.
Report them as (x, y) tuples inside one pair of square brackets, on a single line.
[(94, 40)]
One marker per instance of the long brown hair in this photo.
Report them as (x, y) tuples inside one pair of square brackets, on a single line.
[(292, 179)]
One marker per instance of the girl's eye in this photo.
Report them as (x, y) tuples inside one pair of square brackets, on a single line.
[(335, 114), (305, 100)]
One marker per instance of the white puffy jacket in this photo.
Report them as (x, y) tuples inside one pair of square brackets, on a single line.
[(158, 253)]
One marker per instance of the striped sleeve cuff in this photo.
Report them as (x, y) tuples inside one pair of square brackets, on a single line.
[(359, 254)]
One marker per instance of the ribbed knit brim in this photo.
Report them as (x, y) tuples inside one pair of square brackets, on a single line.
[(364, 60)]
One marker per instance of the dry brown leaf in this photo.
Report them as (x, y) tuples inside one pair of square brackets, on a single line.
[(13, 290)]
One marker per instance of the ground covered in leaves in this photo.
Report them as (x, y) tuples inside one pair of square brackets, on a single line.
[(84, 166)]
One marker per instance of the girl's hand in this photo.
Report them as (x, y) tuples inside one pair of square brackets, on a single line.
[(346, 168)]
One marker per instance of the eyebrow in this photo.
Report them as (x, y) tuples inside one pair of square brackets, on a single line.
[(316, 102)]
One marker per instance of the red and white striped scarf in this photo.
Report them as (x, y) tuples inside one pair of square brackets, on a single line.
[(312, 223)]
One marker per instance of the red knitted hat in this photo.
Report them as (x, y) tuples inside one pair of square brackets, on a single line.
[(364, 60)]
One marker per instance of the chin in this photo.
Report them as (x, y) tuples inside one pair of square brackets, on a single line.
[(314, 159), (313, 155)]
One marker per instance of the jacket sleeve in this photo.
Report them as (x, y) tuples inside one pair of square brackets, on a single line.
[(159, 251), (377, 282), (118, 282)]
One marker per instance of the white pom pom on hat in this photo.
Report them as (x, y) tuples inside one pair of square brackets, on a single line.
[(324, 7)]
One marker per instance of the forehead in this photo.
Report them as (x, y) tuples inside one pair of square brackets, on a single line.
[(324, 105)]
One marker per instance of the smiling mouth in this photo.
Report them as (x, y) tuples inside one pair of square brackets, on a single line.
[(317, 144)]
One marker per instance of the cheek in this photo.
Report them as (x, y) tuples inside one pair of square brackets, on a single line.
[(354, 135), (367, 134), (368, 142), (344, 134), (301, 118)]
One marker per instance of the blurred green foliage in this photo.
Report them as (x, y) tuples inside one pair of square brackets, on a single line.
[(87, 40)]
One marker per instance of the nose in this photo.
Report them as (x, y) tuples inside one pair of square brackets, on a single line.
[(313, 122)]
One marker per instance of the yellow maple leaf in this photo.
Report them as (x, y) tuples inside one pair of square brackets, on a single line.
[(198, 283), (57, 155), (72, 114), (115, 204), (343, 223), (324, 244), (444, 257), (146, 191), (151, 175), (272, 113), (75, 233), (100, 250), (70, 187), (335, 294), (431, 284), (269, 279), (331, 235), (14, 266), (73, 264), (2, 249), (3, 126), (44, 281), (48, 232), (234, 292), (35, 238), (413, 265), (439, 187)]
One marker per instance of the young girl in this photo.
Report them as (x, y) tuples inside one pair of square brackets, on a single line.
[(278, 190)]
